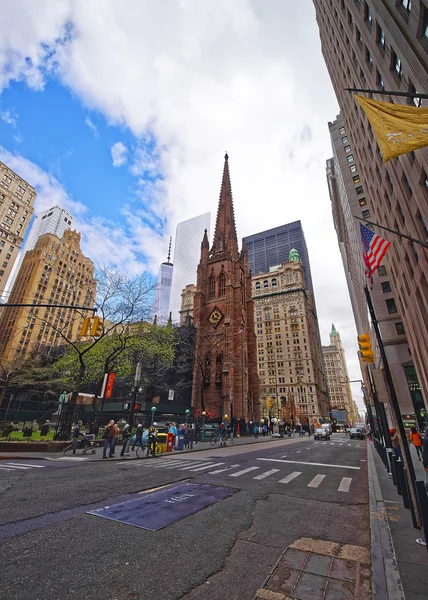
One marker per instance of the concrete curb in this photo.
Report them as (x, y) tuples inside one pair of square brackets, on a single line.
[(175, 453), (386, 580)]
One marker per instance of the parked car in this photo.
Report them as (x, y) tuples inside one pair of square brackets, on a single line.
[(321, 433), (357, 434)]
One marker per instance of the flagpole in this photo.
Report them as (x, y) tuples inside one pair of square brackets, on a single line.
[(407, 459), (389, 93), (394, 231)]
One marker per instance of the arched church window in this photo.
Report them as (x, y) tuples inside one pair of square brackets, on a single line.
[(265, 283), (211, 287), (222, 284), (274, 282), (258, 285)]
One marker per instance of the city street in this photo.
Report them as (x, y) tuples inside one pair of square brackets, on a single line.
[(279, 492)]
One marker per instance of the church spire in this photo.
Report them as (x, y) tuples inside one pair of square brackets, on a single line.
[(225, 238)]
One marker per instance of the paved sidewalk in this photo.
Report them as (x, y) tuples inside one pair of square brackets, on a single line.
[(200, 446), (401, 548)]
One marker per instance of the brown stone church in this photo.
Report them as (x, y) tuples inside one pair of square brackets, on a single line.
[(225, 379)]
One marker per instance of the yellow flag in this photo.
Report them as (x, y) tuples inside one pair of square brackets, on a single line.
[(398, 128)]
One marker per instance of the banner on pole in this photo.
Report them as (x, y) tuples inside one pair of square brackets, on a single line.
[(398, 128)]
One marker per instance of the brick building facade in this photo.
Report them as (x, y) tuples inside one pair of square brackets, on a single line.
[(225, 379)]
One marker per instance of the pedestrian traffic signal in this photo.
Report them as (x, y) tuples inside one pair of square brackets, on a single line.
[(366, 350), (85, 327), (97, 327)]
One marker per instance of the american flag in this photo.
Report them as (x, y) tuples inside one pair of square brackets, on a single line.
[(375, 249)]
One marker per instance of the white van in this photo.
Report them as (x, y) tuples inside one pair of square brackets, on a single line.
[(328, 427)]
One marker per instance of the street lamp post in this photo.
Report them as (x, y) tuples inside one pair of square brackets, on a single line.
[(187, 411), (204, 414), (225, 418), (153, 409)]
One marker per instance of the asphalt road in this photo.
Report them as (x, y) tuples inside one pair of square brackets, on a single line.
[(53, 550)]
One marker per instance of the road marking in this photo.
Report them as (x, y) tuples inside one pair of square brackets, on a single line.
[(285, 456), (5, 469), (309, 447), (239, 473), (207, 466), (178, 463), (12, 466), (298, 451), (25, 465), (345, 484), (198, 464), (316, 481), (349, 444), (223, 470), (331, 443), (363, 460), (290, 477), (323, 442), (299, 462), (263, 475)]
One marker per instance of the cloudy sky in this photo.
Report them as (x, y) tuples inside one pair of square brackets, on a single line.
[(123, 117)]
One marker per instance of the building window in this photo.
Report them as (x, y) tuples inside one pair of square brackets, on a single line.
[(368, 14), (211, 287), (380, 81), (380, 37), (274, 282), (425, 26), (381, 271), (347, 149), (406, 5), (4, 265), (398, 67), (258, 286), (265, 283), (342, 131), (362, 201), (345, 139), (391, 306), (353, 168), (359, 36), (422, 225), (222, 284), (386, 287), (400, 328), (366, 214), (350, 158), (359, 189), (356, 179), (369, 58)]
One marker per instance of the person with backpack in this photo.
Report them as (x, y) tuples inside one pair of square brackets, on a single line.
[(126, 440), (76, 433), (138, 437), (109, 440), (256, 431)]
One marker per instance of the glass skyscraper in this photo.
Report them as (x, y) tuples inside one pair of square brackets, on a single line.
[(53, 220), (271, 248), (187, 254), (160, 306)]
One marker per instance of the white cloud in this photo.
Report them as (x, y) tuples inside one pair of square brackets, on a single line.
[(9, 116), (119, 154), (92, 127), (201, 77)]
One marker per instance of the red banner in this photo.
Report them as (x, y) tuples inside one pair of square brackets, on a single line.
[(109, 386)]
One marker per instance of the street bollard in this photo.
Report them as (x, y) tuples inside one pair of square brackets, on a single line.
[(405, 488), (422, 497), (391, 466), (395, 462)]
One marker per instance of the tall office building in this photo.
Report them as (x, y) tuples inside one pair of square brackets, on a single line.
[(271, 248), (160, 306), (336, 369), (349, 200), (54, 220), (383, 45), (16, 209), (55, 271), (289, 355), (187, 253)]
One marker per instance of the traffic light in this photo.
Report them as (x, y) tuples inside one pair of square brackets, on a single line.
[(85, 327), (270, 403), (366, 350), (96, 327)]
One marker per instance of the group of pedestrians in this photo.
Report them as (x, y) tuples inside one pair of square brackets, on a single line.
[(111, 437)]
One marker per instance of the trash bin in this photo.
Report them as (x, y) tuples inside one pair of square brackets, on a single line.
[(162, 438), (179, 442)]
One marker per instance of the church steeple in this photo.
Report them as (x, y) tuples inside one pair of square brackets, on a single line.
[(225, 238)]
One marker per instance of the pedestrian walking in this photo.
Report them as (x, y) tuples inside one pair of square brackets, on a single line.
[(126, 441), (76, 433), (416, 440), (138, 437), (116, 429), (425, 456), (109, 440), (395, 439), (197, 433), (191, 437), (256, 432)]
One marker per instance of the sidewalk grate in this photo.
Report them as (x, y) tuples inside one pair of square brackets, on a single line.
[(313, 569)]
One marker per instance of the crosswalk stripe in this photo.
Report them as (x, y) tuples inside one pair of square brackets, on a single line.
[(345, 484), (298, 451), (207, 467), (17, 467), (6, 469), (331, 443), (171, 464), (239, 473), (26, 465), (266, 474), (196, 465), (316, 481), (349, 444), (223, 470), (290, 477)]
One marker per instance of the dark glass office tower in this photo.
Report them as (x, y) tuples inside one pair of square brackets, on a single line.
[(271, 248)]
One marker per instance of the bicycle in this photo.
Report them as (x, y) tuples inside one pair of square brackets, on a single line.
[(145, 450), (218, 440)]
